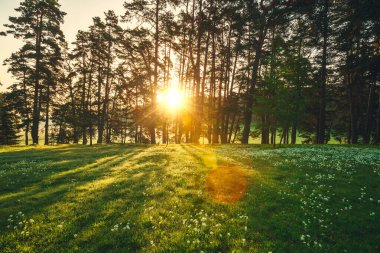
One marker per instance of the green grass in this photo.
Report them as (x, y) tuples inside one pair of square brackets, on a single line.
[(186, 198)]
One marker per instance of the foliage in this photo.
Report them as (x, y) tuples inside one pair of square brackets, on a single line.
[(8, 120)]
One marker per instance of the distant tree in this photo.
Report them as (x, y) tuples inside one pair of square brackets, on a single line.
[(8, 120), (21, 71), (262, 17), (61, 119)]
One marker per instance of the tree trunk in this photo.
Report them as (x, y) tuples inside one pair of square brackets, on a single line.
[(89, 105), (47, 114), (84, 111), (294, 133), (370, 112), (26, 111), (298, 87), (156, 45), (377, 136), (354, 136), (273, 136), (74, 112), (322, 86), (215, 127), (251, 87), (27, 134), (265, 129), (106, 95), (36, 108), (197, 79), (100, 126)]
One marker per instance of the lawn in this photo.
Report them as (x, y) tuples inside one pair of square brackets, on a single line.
[(187, 198)]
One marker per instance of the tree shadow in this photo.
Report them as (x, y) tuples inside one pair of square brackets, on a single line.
[(49, 188), (89, 200), (116, 198), (18, 174)]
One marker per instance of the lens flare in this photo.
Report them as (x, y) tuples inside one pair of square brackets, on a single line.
[(226, 183)]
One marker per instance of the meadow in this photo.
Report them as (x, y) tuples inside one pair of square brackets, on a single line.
[(190, 198)]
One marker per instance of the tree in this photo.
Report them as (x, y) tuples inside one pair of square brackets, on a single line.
[(269, 69), (18, 66), (8, 120), (38, 25)]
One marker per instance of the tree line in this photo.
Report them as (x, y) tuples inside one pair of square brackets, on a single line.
[(269, 70)]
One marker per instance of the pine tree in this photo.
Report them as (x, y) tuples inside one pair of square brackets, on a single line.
[(38, 25), (8, 120)]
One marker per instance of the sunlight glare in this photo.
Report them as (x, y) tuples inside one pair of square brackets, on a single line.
[(172, 98)]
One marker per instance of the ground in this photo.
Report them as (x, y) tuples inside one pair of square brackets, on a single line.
[(187, 198)]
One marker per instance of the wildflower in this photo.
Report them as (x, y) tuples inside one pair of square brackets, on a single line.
[(60, 226), (75, 235)]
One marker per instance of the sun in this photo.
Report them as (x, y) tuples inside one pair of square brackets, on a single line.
[(172, 98)]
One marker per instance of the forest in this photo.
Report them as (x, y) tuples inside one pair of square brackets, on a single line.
[(196, 71), (108, 126)]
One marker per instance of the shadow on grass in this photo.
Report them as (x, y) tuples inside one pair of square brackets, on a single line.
[(26, 167), (50, 186), (118, 199), (90, 198)]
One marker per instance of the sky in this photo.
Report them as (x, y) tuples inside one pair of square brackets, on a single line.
[(79, 17)]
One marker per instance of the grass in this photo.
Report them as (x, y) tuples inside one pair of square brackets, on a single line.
[(186, 198)]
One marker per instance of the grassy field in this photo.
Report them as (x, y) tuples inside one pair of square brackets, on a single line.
[(188, 198)]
